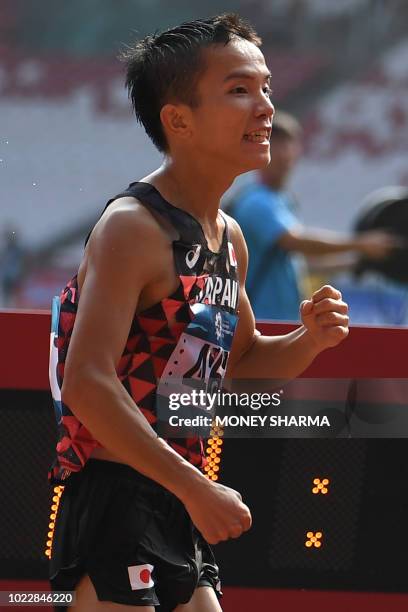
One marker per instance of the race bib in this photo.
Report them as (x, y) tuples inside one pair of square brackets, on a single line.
[(198, 363)]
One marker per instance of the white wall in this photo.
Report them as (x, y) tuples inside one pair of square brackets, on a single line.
[(62, 156), (358, 143)]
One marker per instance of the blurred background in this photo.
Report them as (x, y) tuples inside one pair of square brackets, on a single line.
[(68, 140)]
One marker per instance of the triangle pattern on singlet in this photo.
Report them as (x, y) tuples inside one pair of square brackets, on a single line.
[(165, 351), (140, 388), (151, 326), (142, 371), (153, 336)]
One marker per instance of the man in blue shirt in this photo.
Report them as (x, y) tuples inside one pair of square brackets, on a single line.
[(273, 276), (266, 213)]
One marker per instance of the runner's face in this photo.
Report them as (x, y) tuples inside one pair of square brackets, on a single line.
[(232, 122)]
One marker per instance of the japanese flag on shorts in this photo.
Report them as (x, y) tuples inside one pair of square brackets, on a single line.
[(140, 576)]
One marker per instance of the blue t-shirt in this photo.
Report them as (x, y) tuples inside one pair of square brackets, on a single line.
[(264, 216)]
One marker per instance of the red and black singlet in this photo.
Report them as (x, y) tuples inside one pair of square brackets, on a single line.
[(189, 331)]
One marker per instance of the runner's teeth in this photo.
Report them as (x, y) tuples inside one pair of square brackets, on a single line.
[(256, 136)]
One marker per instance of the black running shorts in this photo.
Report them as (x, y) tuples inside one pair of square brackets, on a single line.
[(132, 537)]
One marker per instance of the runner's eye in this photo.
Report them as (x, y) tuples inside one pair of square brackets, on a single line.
[(239, 90)]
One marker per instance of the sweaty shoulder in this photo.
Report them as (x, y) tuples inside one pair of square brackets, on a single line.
[(125, 222), (127, 238)]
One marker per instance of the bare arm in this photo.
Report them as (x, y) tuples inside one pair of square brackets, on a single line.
[(325, 324), (121, 264), (374, 244)]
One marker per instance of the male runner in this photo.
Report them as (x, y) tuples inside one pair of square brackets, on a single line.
[(162, 265)]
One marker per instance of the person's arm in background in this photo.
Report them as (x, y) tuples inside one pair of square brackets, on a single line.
[(312, 241)]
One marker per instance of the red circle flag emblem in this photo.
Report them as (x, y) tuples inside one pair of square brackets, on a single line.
[(145, 576), (140, 576)]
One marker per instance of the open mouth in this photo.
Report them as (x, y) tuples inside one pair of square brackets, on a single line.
[(259, 136)]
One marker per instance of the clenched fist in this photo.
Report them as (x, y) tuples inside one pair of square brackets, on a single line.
[(218, 512), (325, 317)]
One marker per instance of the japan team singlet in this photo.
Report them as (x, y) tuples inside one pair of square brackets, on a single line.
[(188, 334)]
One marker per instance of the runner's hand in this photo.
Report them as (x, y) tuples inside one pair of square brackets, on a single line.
[(325, 317), (218, 512)]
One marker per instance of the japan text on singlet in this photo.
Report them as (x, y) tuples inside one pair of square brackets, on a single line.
[(188, 333)]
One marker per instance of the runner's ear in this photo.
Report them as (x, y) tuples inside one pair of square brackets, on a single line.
[(175, 120)]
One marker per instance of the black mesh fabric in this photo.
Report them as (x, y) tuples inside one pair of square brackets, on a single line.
[(27, 440)]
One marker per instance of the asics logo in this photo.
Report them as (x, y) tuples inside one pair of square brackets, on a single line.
[(193, 255)]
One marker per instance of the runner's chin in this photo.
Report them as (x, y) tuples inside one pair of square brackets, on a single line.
[(257, 155)]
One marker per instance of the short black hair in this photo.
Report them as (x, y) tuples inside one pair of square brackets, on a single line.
[(166, 66)]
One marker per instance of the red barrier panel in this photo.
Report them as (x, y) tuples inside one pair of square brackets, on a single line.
[(25, 344), (367, 353), (272, 600), (278, 600)]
